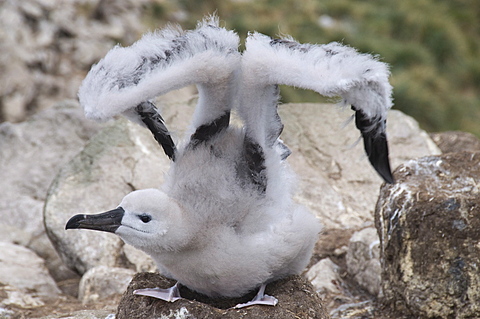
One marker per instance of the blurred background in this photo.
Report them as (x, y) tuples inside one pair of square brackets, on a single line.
[(433, 46)]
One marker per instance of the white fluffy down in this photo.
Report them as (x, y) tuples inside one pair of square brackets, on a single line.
[(213, 234)]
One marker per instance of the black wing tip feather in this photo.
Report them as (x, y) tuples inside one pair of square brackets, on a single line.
[(154, 122), (375, 143), (377, 151)]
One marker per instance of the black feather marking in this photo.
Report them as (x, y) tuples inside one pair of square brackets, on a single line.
[(255, 160), (302, 47), (206, 131), (153, 120), (375, 142), (152, 62), (283, 149)]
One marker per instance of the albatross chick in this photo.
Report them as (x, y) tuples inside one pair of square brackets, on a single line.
[(224, 222)]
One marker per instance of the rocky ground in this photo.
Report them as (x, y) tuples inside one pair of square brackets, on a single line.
[(74, 166), (55, 164)]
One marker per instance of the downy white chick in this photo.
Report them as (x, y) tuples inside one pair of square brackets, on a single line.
[(224, 222)]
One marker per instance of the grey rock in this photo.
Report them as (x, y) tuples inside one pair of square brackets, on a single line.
[(23, 269), (296, 299), (83, 314), (141, 260), (336, 180), (429, 229), (32, 153), (325, 277), (455, 141), (17, 298), (101, 282), (50, 45), (363, 259)]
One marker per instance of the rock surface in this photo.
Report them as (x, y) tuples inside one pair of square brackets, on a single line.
[(47, 46), (363, 259), (296, 299), (455, 141), (101, 283), (325, 277), (430, 233), (337, 182), (84, 314), (24, 279), (32, 154)]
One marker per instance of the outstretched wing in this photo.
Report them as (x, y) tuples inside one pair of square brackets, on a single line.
[(161, 62), (331, 70)]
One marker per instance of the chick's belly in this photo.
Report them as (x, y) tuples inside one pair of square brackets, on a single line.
[(224, 276)]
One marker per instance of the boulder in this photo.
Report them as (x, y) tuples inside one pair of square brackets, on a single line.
[(101, 283), (337, 182), (429, 226), (455, 141), (325, 277), (24, 270), (50, 45), (296, 299), (363, 259), (32, 154)]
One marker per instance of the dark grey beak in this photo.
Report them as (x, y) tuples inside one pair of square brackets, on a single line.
[(108, 222)]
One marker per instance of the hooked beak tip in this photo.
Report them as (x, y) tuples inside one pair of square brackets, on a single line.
[(107, 222)]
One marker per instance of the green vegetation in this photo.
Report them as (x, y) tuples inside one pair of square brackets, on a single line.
[(433, 46)]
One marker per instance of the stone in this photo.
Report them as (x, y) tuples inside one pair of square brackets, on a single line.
[(429, 230), (23, 269), (456, 141), (50, 45), (83, 314), (142, 261), (325, 278), (101, 283), (296, 299), (19, 298), (32, 153), (363, 259), (121, 158), (336, 181)]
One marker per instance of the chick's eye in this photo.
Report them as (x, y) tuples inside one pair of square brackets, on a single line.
[(145, 218)]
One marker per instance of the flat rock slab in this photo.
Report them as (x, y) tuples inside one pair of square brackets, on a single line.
[(429, 226), (296, 299), (23, 269)]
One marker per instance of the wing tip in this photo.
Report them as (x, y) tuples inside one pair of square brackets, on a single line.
[(377, 150)]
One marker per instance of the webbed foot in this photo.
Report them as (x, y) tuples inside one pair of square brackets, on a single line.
[(259, 299), (170, 294)]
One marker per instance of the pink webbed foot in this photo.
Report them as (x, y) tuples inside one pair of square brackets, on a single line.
[(170, 294), (259, 299)]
